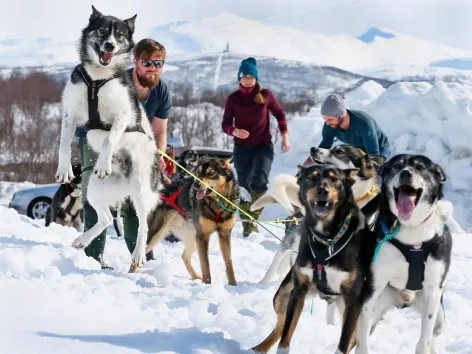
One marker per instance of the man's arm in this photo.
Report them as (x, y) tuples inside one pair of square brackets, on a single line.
[(371, 141), (327, 137), (159, 127)]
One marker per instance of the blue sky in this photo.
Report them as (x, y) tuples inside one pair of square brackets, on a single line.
[(445, 21)]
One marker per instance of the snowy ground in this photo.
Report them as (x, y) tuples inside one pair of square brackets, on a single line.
[(53, 297)]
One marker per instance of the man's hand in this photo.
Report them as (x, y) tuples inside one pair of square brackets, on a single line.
[(162, 163), (240, 133), (285, 143)]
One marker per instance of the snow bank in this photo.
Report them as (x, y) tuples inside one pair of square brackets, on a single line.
[(434, 120)]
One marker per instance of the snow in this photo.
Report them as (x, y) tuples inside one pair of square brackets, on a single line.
[(55, 297)]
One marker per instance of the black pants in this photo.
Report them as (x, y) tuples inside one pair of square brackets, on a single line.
[(253, 164)]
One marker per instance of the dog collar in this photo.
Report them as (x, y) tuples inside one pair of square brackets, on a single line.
[(388, 235), (370, 192), (333, 241)]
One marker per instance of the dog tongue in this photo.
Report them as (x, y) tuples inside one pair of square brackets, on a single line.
[(405, 205), (106, 56), (201, 194)]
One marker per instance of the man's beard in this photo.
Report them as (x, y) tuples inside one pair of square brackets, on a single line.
[(146, 82)]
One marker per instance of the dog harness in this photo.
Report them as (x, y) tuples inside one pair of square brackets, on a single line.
[(67, 210), (416, 255), (324, 253), (172, 201), (93, 87)]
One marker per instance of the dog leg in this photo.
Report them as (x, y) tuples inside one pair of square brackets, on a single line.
[(273, 270), (104, 218), (64, 172), (333, 311), (366, 320), (280, 302), (294, 310), (224, 236), (431, 305), (110, 143), (350, 319), (202, 245), (189, 250), (207, 227), (142, 210)]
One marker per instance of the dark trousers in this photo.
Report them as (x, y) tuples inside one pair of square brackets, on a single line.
[(253, 164)]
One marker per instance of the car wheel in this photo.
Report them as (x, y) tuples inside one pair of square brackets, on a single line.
[(38, 207)]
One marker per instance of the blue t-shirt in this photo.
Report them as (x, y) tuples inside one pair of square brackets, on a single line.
[(363, 132), (158, 104)]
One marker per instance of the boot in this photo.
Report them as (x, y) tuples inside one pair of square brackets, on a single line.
[(249, 227)]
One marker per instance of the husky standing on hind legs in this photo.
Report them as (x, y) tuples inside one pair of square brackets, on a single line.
[(100, 95)]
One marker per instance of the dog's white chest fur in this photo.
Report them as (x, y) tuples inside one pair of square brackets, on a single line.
[(109, 106), (391, 265), (334, 277)]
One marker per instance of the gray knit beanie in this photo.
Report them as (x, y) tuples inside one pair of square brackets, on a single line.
[(333, 106)]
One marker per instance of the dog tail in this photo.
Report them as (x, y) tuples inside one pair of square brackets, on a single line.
[(283, 190), (446, 209)]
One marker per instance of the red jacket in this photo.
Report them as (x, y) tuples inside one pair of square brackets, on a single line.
[(243, 113)]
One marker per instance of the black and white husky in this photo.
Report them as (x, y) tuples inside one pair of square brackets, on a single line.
[(413, 252), (100, 95)]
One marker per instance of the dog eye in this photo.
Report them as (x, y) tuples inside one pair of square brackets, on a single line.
[(102, 31), (339, 152), (119, 36), (420, 167), (334, 179), (397, 166)]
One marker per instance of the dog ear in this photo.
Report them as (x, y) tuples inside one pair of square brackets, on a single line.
[(226, 163), (300, 170), (439, 173), (95, 14), (351, 173), (130, 22), (377, 160)]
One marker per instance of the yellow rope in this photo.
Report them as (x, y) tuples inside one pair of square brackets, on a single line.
[(223, 197)]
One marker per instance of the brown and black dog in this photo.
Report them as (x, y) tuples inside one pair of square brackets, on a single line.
[(192, 212), (331, 257)]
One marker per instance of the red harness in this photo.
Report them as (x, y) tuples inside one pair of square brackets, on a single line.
[(171, 200)]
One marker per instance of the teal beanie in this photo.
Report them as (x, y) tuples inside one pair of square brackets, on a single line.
[(248, 67)]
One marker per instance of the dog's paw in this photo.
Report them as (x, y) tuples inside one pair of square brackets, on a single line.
[(137, 260), (64, 174), (102, 169), (80, 243)]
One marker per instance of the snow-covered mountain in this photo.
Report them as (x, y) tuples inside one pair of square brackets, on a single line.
[(374, 49)]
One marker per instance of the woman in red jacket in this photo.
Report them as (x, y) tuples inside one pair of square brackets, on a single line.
[(246, 118)]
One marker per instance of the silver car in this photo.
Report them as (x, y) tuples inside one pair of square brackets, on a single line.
[(34, 201)]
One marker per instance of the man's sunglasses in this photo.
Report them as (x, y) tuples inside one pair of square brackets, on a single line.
[(159, 63)]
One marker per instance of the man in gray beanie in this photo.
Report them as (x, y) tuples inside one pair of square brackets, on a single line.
[(351, 127)]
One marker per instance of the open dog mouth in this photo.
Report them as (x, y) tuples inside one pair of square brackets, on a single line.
[(202, 193), (406, 199), (104, 57), (321, 206)]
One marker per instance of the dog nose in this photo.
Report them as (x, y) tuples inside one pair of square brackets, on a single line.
[(405, 175), (313, 151), (109, 47), (322, 193), (196, 184)]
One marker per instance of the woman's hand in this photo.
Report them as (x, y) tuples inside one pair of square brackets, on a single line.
[(285, 143), (240, 133)]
